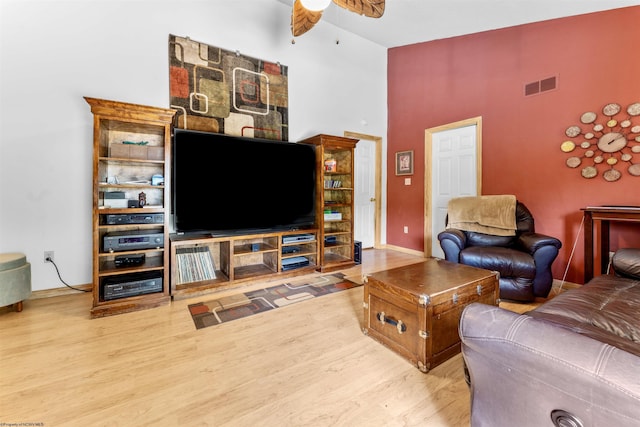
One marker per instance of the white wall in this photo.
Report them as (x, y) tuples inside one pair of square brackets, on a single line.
[(52, 53)]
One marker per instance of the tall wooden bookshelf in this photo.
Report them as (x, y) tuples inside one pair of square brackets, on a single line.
[(131, 156), (334, 199)]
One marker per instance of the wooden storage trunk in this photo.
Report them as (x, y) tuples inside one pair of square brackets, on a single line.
[(415, 310)]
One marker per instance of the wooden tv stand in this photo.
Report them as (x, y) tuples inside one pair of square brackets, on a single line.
[(235, 260)]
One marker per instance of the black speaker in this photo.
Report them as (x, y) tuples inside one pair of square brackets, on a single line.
[(357, 252)]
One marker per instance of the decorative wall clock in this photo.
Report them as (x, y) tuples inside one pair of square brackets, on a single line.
[(610, 141)]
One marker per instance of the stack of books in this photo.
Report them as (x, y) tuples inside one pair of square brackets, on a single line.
[(332, 183), (330, 215)]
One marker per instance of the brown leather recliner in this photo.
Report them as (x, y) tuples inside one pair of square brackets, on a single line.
[(523, 261), (572, 361)]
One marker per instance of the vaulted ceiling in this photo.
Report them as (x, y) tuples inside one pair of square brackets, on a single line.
[(413, 21)]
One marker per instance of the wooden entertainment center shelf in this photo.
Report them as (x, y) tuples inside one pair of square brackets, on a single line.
[(204, 264), (137, 264), (131, 157)]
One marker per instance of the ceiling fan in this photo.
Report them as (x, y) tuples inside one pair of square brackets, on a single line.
[(306, 13)]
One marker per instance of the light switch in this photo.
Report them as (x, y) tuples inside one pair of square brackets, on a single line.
[(407, 181)]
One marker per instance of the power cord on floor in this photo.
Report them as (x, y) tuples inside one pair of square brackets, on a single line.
[(65, 283)]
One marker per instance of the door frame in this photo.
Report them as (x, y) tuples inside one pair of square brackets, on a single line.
[(428, 160), (378, 183)]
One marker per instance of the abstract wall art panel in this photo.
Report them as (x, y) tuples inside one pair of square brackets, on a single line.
[(218, 90)]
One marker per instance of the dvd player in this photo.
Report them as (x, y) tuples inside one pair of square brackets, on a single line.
[(129, 286), (150, 218), (298, 238), (294, 262), (129, 260), (132, 240)]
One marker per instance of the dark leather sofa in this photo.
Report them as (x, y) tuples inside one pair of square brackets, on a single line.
[(574, 361), (523, 261)]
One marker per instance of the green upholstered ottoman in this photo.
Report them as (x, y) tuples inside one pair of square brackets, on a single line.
[(15, 279)]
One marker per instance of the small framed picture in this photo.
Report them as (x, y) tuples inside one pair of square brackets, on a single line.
[(404, 162)]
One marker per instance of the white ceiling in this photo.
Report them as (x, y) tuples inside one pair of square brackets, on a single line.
[(413, 21)]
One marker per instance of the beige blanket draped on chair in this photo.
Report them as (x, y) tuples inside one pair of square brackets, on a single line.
[(494, 215)]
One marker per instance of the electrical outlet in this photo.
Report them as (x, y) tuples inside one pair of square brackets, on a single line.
[(406, 229), (48, 256)]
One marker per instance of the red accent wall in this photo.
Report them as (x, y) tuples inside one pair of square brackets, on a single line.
[(435, 83)]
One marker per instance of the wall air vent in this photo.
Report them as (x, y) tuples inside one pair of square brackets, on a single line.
[(531, 88), (540, 86)]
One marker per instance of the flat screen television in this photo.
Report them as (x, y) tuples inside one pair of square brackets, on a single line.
[(224, 184)]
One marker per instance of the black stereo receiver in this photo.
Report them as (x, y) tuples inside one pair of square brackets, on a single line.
[(129, 286), (132, 240), (150, 218)]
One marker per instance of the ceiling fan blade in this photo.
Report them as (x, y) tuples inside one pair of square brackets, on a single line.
[(370, 8), (302, 20)]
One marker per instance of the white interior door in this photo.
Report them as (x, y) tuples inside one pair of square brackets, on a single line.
[(365, 192), (455, 170)]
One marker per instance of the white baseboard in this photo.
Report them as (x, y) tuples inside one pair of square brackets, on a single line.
[(56, 292), (405, 250)]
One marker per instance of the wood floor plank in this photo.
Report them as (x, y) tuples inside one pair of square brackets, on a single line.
[(308, 364)]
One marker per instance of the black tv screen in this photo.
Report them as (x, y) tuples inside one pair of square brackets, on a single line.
[(225, 184)]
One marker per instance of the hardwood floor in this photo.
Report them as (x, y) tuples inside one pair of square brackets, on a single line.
[(308, 364)]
